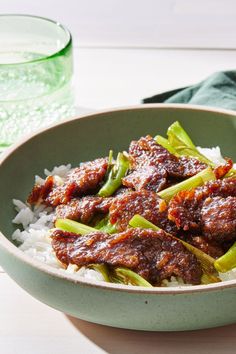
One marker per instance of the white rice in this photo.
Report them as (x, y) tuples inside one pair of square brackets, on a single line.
[(35, 223)]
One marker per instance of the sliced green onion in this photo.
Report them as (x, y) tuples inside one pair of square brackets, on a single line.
[(140, 221), (109, 228), (73, 226), (209, 278), (227, 261), (101, 223), (165, 144), (116, 174), (198, 180), (115, 279), (181, 142), (178, 136), (105, 226), (110, 158), (103, 269), (127, 276), (231, 173)]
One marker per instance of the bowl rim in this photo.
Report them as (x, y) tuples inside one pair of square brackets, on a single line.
[(59, 273), (64, 49)]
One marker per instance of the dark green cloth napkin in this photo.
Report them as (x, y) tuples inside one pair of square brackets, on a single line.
[(218, 90)]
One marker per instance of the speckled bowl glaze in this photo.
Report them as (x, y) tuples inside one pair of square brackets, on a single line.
[(157, 309)]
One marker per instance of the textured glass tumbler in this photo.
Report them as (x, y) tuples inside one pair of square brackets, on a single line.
[(35, 75)]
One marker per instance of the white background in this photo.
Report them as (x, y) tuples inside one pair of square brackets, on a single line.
[(145, 23), (125, 50)]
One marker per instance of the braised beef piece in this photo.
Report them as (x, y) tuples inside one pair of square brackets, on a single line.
[(207, 210), (209, 247), (152, 254), (40, 192), (218, 218), (146, 152), (152, 166), (222, 170), (150, 178), (120, 191), (84, 209), (191, 166), (144, 203), (83, 180)]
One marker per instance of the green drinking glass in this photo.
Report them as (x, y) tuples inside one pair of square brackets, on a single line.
[(36, 67)]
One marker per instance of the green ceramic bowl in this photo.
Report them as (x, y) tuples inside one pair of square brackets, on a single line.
[(163, 309)]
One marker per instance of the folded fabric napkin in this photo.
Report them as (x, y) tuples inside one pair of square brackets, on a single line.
[(218, 90)]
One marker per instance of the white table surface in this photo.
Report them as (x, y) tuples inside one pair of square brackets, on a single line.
[(106, 78)]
